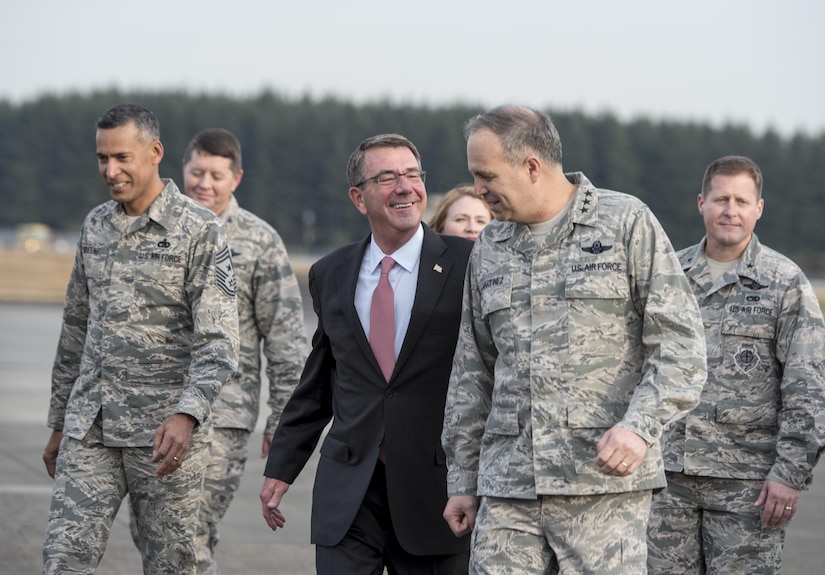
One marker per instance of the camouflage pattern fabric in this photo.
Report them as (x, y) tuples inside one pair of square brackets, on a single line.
[(92, 479), (227, 459), (593, 327), (270, 311), (584, 534), (704, 525), (765, 334), (759, 416), (150, 325), (150, 329)]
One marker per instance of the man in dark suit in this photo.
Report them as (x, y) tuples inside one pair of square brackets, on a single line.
[(380, 487)]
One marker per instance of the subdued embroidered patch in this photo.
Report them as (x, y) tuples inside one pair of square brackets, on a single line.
[(227, 281), (746, 358)]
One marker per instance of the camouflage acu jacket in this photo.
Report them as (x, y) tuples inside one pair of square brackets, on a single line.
[(593, 327), (270, 312), (150, 325), (766, 372)]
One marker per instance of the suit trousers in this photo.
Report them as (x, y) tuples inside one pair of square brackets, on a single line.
[(370, 544)]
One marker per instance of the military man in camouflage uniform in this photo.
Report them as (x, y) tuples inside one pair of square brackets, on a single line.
[(150, 334), (270, 313), (736, 464), (579, 341)]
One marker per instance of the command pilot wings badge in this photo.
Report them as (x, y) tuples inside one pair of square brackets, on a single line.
[(596, 248)]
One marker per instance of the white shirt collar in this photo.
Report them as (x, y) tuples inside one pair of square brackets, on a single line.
[(406, 256)]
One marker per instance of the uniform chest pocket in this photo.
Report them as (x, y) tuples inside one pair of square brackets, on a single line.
[(587, 424), (496, 301), (597, 307), (749, 346), (734, 327), (94, 261), (161, 280)]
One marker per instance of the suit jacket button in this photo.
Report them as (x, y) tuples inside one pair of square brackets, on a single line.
[(388, 394)]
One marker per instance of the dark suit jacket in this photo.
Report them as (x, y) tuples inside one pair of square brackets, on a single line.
[(342, 381)]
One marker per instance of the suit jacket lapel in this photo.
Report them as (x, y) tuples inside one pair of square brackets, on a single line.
[(433, 271), (348, 272)]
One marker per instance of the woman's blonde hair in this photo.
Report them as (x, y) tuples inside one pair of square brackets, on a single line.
[(440, 213)]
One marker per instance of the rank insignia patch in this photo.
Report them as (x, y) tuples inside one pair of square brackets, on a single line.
[(227, 282)]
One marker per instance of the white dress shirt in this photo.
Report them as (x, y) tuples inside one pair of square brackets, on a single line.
[(403, 279)]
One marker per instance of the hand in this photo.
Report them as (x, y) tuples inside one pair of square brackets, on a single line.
[(265, 446), (460, 513), (271, 494), (779, 503), (171, 443), (51, 451), (620, 452)]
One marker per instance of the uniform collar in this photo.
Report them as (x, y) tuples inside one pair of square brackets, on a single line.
[(583, 211), (231, 210), (159, 210), (694, 264)]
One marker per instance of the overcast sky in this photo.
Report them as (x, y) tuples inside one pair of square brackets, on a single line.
[(758, 63)]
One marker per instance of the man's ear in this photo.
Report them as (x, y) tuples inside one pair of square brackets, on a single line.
[(237, 177), (356, 196), (156, 148), (533, 165)]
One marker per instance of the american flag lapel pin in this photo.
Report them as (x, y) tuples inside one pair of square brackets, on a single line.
[(437, 268)]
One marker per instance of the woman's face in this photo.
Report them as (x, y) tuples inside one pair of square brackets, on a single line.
[(466, 217)]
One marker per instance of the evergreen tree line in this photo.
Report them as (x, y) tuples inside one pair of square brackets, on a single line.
[(295, 152)]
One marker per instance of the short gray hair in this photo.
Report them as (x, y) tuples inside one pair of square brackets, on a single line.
[(146, 122), (521, 130), (355, 164)]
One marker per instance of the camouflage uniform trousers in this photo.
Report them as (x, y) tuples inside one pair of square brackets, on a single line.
[(702, 525), (90, 483), (567, 535), (227, 459)]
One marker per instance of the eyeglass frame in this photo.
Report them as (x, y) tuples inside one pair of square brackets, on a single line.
[(421, 173)]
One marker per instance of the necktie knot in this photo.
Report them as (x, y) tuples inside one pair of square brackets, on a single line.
[(386, 265)]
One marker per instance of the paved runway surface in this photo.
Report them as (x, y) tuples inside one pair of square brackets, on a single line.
[(28, 338)]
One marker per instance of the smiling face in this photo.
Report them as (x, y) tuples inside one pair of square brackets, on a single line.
[(394, 212), (504, 187), (209, 180), (730, 207), (128, 164), (466, 217)]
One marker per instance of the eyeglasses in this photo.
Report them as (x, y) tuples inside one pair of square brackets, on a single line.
[(390, 179)]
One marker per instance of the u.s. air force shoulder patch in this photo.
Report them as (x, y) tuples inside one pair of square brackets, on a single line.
[(227, 281), (746, 357)]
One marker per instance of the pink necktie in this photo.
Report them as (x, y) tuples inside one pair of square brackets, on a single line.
[(382, 321)]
